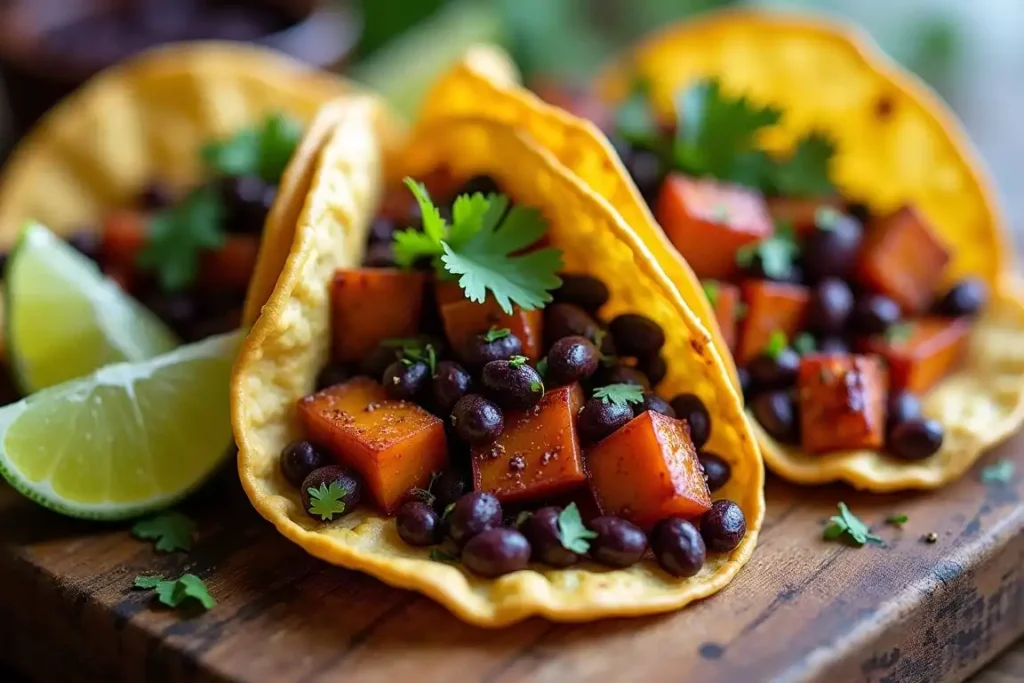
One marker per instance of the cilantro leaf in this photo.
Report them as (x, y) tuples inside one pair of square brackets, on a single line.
[(827, 218), (777, 343), (517, 361), (176, 592), (148, 582), (542, 367), (571, 533), (411, 244), (710, 290), (805, 172), (326, 501), (635, 120), (804, 343), (424, 353), (172, 531), (896, 520), (998, 473), (262, 150), (847, 525), (620, 394), (776, 253), (899, 333), (473, 213), (177, 235), (495, 333)]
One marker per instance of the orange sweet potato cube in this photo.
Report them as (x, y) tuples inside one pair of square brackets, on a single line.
[(709, 221), (465, 318), (394, 445), (538, 454), (369, 305), (122, 238), (800, 212), (842, 402), (903, 259), (231, 265), (771, 307), (725, 301), (448, 292), (648, 470), (919, 359)]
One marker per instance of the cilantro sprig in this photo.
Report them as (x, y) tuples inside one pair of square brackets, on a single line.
[(327, 501), (620, 394), (176, 592), (483, 248), (777, 343), (171, 531), (178, 234), (635, 119), (1000, 472), (848, 526), (804, 343), (496, 333), (262, 150), (777, 253), (571, 532)]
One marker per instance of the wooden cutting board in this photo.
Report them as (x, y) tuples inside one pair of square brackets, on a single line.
[(802, 610)]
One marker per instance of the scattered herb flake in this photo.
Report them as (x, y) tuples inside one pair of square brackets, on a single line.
[(804, 343), (517, 361), (326, 501), (896, 520), (574, 536), (777, 343), (447, 511), (263, 150), (522, 517), (827, 218), (542, 366), (174, 593), (172, 531), (847, 525), (999, 472), (899, 333), (496, 333), (711, 289), (178, 234), (438, 555), (620, 394), (805, 173), (635, 120), (148, 582), (423, 354), (537, 387)]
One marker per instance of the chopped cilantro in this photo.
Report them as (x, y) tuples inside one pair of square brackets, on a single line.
[(805, 172), (999, 472), (573, 535), (542, 366), (438, 555), (847, 525), (537, 387), (827, 218), (804, 343), (620, 394), (635, 120), (776, 253), (482, 247), (326, 501), (517, 361), (174, 593), (896, 520), (263, 150), (899, 333), (710, 290), (171, 530), (447, 511), (422, 354), (177, 235), (777, 343), (496, 333)]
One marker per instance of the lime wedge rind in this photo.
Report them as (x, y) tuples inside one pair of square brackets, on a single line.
[(126, 377)]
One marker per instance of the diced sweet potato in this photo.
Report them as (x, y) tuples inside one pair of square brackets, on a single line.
[(465, 318), (709, 221), (537, 455), (395, 445), (448, 292), (903, 259), (648, 470), (231, 266), (122, 238), (842, 402), (930, 349), (725, 301), (800, 212), (771, 307), (369, 305)]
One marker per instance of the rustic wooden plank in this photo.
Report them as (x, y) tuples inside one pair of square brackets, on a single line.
[(802, 610)]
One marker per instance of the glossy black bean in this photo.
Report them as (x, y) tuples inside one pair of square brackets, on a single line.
[(496, 552), (585, 291), (450, 382), (655, 403), (874, 314), (774, 371), (542, 531), (298, 459), (902, 406), (619, 543), (567, 320), (831, 249), (916, 439), (418, 524), (716, 470), (349, 482), (690, 408), (475, 512), (480, 349), (512, 385), (829, 306), (572, 359), (636, 335), (966, 297), (448, 488), (404, 380), (655, 368), (723, 526), (477, 420), (678, 547), (776, 412), (622, 374)]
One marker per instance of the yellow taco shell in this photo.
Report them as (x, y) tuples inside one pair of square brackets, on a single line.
[(897, 142), (289, 343)]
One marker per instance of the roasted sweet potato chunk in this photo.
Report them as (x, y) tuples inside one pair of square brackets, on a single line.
[(800, 212), (537, 455), (465, 318), (395, 445), (369, 305), (903, 259), (921, 352), (231, 266), (771, 307), (725, 300), (709, 221), (448, 292), (648, 470), (842, 402), (122, 238)]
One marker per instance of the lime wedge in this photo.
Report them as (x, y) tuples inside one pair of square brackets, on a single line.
[(127, 439), (64, 319), (406, 67)]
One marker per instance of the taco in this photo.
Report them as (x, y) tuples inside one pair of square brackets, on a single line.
[(840, 226), (163, 168), (464, 436)]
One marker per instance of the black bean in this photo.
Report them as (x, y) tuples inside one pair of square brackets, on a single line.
[(776, 412), (404, 380), (418, 524), (572, 359), (678, 547), (513, 385), (480, 349), (584, 291), (349, 482), (636, 335), (599, 419), (690, 408), (331, 374), (482, 184), (655, 368), (774, 371), (916, 439), (874, 314), (448, 488), (829, 306), (647, 170), (382, 229), (723, 526), (622, 374), (619, 543), (380, 255), (903, 406), (156, 195), (655, 403), (567, 320), (966, 297), (542, 531), (496, 552), (475, 512), (377, 361), (298, 459), (450, 383), (833, 345), (716, 470), (477, 420), (831, 249)]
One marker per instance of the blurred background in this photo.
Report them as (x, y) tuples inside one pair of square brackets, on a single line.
[(969, 52)]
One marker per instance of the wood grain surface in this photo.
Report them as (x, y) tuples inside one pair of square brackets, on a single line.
[(802, 610)]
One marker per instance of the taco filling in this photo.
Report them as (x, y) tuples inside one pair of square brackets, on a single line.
[(485, 403), (838, 318)]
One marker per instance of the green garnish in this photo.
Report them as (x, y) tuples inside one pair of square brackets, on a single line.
[(620, 394), (710, 290), (805, 172), (496, 333), (777, 343), (517, 361), (899, 333), (480, 246), (573, 535), (177, 235), (263, 150), (635, 120), (438, 555), (522, 517), (804, 343), (999, 472), (542, 366), (777, 254), (537, 387), (423, 354), (174, 593), (326, 501), (896, 520), (447, 511), (171, 530), (847, 525), (827, 218)]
